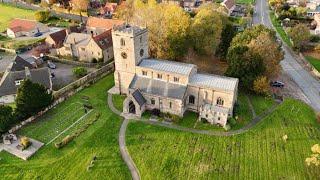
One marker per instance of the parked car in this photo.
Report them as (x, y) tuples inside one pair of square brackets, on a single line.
[(37, 34), (277, 84), (21, 50), (51, 65)]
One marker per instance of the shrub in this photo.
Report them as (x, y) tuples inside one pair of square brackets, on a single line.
[(172, 117), (227, 127), (25, 142), (314, 38), (232, 121), (42, 16), (318, 117), (79, 72), (261, 85)]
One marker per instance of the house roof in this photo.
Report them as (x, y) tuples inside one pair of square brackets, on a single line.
[(9, 87), (110, 7), (19, 64), (104, 40), (214, 82), (59, 36), (101, 23), (17, 25), (158, 87), (78, 39), (228, 4), (139, 97), (167, 66)]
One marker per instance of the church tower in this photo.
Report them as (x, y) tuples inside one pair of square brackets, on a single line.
[(130, 46)]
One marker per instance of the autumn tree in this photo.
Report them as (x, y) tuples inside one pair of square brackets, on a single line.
[(80, 5), (300, 35), (262, 42), (314, 159), (244, 65), (261, 85), (206, 30), (168, 28)]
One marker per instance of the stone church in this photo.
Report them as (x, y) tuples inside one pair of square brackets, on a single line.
[(171, 87)]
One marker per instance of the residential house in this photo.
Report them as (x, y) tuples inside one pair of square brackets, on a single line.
[(25, 27), (19, 64), (11, 81), (229, 5), (87, 48), (96, 26), (56, 39), (167, 86), (108, 9)]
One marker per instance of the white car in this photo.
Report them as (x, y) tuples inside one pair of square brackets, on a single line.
[(51, 65)]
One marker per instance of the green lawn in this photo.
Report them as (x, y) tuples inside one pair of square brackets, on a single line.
[(15, 44), (118, 101), (161, 153), (261, 103), (314, 61), (280, 30), (70, 162), (245, 1), (7, 13)]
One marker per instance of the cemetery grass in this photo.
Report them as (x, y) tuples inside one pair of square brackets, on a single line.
[(7, 13), (70, 162), (260, 153)]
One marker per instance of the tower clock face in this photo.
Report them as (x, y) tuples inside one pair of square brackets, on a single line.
[(141, 52), (124, 55)]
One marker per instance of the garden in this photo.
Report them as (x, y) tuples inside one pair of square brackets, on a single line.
[(98, 141), (261, 153)]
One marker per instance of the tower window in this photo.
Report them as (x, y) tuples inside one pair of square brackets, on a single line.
[(220, 101), (122, 42), (153, 101), (124, 55), (191, 99), (144, 73), (170, 104), (141, 52), (159, 76)]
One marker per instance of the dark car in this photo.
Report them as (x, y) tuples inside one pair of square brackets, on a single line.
[(21, 50), (277, 84), (37, 34)]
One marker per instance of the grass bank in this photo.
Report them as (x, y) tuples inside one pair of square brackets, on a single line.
[(314, 61), (280, 29)]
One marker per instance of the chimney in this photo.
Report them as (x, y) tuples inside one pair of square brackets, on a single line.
[(28, 74)]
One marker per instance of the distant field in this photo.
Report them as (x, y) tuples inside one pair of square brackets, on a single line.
[(7, 13), (161, 153)]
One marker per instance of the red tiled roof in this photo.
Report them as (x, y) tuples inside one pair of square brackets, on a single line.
[(229, 3), (104, 40), (106, 24), (17, 25), (58, 37)]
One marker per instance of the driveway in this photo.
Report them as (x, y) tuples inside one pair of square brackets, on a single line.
[(305, 81), (44, 34)]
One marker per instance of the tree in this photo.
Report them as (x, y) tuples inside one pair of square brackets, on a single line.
[(262, 42), (299, 35), (79, 72), (44, 4), (31, 99), (206, 30), (42, 16), (244, 65), (315, 157), (227, 35), (261, 85), (270, 51), (168, 28), (80, 5), (6, 118)]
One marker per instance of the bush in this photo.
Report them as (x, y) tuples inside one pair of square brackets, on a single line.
[(314, 38), (227, 127), (261, 85), (318, 117), (42, 16), (25, 142), (172, 117), (232, 121), (79, 72)]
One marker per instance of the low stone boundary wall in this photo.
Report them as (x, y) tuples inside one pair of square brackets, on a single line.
[(69, 90), (310, 67), (76, 63)]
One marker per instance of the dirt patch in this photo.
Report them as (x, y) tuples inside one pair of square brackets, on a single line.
[(206, 64)]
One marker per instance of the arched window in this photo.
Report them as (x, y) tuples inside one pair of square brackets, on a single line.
[(122, 42), (220, 101), (191, 99), (153, 101)]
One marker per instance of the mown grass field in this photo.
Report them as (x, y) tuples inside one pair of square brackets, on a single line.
[(70, 162), (7, 13), (261, 103), (314, 61), (161, 153)]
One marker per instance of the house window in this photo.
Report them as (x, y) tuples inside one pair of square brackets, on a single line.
[(159, 76), (122, 42), (205, 95), (176, 79), (220, 101), (82, 49), (219, 118), (170, 105), (144, 73), (191, 99), (153, 102)]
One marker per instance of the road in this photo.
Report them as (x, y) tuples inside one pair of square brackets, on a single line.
[(308, 84)]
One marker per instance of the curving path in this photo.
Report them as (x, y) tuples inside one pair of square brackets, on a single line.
[(124, 151)]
